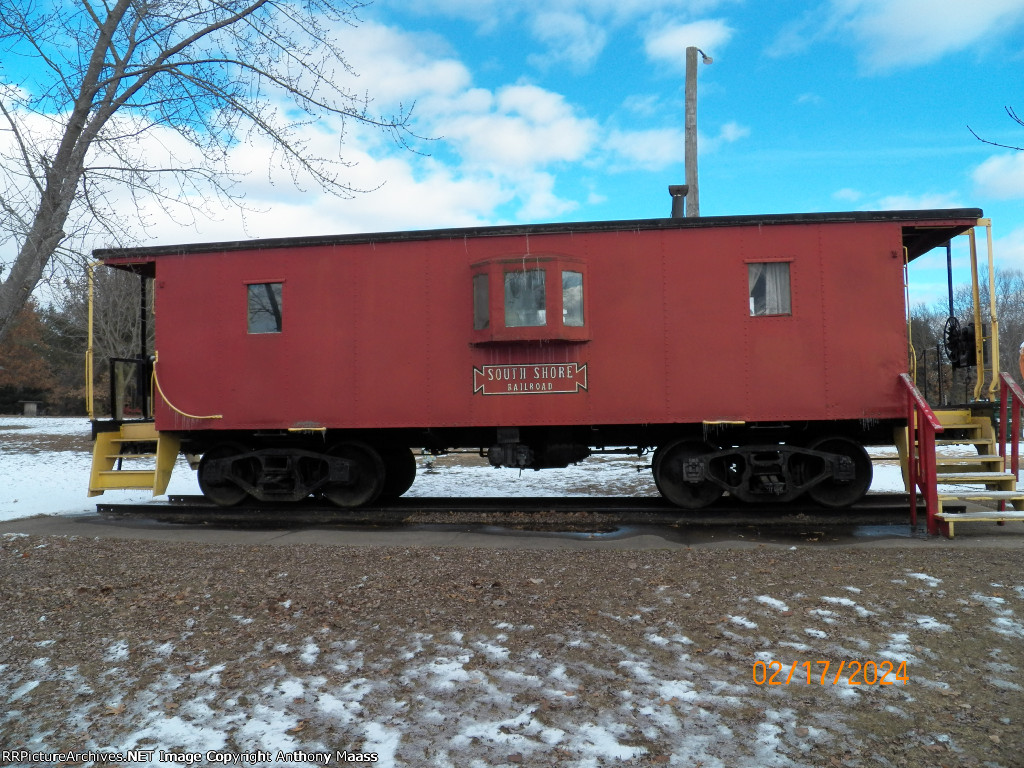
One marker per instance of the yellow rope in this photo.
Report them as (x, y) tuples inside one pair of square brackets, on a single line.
[(171, 405)]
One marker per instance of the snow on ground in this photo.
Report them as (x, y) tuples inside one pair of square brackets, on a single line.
[(35, 480)]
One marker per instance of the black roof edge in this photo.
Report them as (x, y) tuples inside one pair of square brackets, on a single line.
[(909, 216)]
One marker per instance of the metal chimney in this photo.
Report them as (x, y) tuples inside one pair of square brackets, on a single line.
[(678, 192)]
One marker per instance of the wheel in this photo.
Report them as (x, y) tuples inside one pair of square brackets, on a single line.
[(399, 471), (220, 490), (367, 479), (842, 493), (951, 338), (670, 467)]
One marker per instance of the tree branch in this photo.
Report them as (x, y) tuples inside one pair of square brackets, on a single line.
[(1013, 116)]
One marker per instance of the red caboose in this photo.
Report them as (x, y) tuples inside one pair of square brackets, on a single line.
[(755, 354)]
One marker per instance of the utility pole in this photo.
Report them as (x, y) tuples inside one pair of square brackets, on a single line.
[(690, 130)]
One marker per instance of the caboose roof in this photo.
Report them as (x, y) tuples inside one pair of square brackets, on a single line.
[(922, 231)]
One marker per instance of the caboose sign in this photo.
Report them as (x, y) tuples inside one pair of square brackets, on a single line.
[(299, 366), (530, 379)]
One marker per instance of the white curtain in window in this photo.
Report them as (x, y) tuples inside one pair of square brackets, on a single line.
[(755, 284), (777, 288), (768, 283)]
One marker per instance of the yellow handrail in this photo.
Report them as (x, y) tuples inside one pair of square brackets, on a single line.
[(993, 388), (979, 335), (89, 406), (156, 382), (993, 317), (910, 324)]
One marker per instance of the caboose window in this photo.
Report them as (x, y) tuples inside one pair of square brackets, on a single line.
[(265, 308), (572, 299), (769, 288), (536, 297), (481, 302), (525, 298)]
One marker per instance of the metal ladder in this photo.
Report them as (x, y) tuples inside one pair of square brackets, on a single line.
[(133, 457)]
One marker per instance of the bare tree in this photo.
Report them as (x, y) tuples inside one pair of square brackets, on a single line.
[(99, 78), (927, 334), (1013, 116)]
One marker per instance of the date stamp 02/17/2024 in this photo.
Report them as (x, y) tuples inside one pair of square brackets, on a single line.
[(829, 673)]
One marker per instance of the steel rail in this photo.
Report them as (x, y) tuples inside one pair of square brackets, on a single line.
[(529, 513)]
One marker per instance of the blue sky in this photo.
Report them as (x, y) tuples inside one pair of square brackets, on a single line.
[(569, 110)]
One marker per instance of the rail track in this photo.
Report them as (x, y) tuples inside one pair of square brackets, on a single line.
[(572, 514)]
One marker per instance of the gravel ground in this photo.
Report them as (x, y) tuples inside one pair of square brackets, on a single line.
[(474, 657)]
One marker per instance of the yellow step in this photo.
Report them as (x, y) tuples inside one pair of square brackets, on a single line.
[(969, 426), (950, 519), (976, 477), (952, 461), (140, 430), (964, 441), (976, 517), (950, 464), (132, 479), (952, 415), (983, 496)]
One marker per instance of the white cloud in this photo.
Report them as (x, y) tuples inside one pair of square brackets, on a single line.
[(808, 98), (918, 202), (1009, 250), (570, 38), (398, 66), (650, 150), (668, 44), (727, 134), (644, 104), (657, 148), (891, 34), (541, 202), (618, 10), (402, 194), (491, 154), (570, 31), (914, 32), (733, 131), (523, 127), (1001, 176), (847, 194), (501, 140)]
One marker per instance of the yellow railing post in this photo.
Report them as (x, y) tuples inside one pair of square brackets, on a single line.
[(993, 316), (993, 387), (89, 408), (979, 335)]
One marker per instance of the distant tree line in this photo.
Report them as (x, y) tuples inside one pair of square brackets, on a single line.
[(43, 359), (936, 378)]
